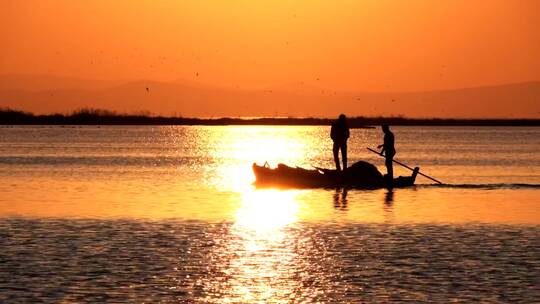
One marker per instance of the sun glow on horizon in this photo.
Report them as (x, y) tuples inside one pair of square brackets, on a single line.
[(239, 147)]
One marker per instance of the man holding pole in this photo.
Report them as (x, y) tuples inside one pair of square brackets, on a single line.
[(388, 151)]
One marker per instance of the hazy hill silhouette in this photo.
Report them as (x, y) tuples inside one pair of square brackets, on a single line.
[(47, 82), (41, 94)]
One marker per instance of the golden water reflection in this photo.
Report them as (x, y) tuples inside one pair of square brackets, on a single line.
[(267, 256), (264, 257), (205, 174), (272, 245), (267, 211), (261, 250)]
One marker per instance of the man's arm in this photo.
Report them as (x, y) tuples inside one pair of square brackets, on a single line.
[(382, 146)]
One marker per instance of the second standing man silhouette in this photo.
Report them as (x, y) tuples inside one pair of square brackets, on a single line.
[(388, 151)]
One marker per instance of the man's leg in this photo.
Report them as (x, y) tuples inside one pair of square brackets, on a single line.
[(335, 149), (344, 155), (389, 169)]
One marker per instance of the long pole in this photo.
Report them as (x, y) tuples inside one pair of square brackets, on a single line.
[(399, 163)]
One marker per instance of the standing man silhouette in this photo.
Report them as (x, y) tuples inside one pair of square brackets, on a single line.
[(339, 134), (388, 147)]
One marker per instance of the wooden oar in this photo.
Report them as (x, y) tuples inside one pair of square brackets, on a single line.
[(399, 163)]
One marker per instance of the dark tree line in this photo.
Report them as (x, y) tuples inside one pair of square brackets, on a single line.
[(107, 117)]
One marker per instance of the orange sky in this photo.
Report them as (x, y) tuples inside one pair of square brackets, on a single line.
[(324, 46), (364, 45)]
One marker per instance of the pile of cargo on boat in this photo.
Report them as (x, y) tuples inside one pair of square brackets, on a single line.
[(360, 175)]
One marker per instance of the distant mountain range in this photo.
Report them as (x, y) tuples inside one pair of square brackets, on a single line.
[(46, 94)]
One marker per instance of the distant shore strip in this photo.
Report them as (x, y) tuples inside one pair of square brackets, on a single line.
[(106, 117)]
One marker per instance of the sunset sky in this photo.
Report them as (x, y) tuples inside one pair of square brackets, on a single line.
[(337, 45)]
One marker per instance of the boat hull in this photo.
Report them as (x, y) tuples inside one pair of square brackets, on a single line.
[(361, 175)]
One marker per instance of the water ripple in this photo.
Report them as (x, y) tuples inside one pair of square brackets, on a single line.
[(188, 261)]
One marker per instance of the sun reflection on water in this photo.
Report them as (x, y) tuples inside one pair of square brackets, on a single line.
[(260, 257), (267, 211), (262, 252)]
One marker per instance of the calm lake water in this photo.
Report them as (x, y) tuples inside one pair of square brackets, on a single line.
[(169, 214)]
